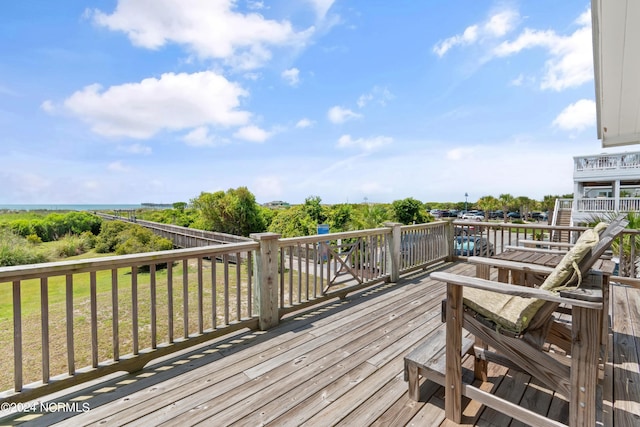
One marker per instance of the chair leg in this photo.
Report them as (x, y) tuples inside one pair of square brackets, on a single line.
[(453, 373), (584, 366), (480, 363)]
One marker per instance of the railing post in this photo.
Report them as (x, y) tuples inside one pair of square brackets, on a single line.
[(394, 251), (266, 283), (449, 235)]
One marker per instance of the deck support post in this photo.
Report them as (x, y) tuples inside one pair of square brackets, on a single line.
[(393, 251), (266, 280)]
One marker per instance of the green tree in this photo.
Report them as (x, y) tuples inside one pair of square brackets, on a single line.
[(180, 206), (339, 217), (293, 222), (409, 211), (313, 207), (234, 211), (524, 205), (488, 204), (506, 202), (371, 216)]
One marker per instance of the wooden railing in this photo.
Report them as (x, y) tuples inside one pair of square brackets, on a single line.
[(182, 237), (499, 235), (74, 321)]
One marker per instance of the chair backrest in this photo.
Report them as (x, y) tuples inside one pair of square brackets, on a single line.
[(612, 231), (591, 245)]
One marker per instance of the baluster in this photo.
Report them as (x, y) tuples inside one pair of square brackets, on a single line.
[(214, 284), (94, 319), (225, 260), (154, 320), (250, 286), (281, 273), (200, 298), (315, 272), (185, 296), (114, 315), (299, 250), (238, 287), (170, 301), (17, 336), (44, 321), (134, 309), (306, 270), (290, 264), (71, 365)]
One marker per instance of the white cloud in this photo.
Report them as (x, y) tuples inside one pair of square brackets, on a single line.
[(199, 137), (47, 106), (136, 149), (292, 76), (117, 166), (210, 29), (462, 153), (577, 116), (379, 95), (338, 114), (304, 123), (498, 25), (321, 7), (517, 81), (268, 188), (365, 144), (252, 133), (570, 62), (256, 5), (172, 102)]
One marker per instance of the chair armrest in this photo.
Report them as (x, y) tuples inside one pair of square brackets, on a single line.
[(512, 265), (542, 250), (525, 242), (521, 291)]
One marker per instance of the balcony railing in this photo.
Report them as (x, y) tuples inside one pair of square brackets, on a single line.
[(72, 321), (607, 162), (607, 204)]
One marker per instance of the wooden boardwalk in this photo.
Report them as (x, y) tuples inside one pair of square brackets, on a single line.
[(338, 364)]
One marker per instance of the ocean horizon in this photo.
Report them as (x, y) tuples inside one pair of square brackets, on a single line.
[(68, 207)]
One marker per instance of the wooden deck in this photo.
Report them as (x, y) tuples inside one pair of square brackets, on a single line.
[(339, 364)]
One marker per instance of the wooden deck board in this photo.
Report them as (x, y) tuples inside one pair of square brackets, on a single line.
[(342, 364)]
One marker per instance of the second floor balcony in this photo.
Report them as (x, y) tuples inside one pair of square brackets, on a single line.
[(607, 166)]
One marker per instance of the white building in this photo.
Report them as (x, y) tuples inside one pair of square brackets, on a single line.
[(603, 184)]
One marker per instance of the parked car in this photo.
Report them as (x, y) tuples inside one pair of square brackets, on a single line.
[(513, 215), (496, 215), (472, 245), (474, 216)]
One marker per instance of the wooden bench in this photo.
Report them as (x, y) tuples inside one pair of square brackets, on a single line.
[(428, 360)]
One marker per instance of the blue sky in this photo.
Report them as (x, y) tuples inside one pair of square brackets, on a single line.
[(135, 101)]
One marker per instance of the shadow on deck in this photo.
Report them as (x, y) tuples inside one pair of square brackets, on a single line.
[(338, 364)]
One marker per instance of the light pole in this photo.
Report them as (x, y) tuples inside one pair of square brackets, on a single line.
[(465, 202)]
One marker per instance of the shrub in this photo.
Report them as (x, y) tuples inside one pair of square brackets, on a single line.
[(109, 236), (14, 250), (124, 238), (34, 239), (70, 245)]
